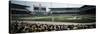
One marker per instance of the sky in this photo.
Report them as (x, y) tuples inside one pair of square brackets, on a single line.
[(31, 4)]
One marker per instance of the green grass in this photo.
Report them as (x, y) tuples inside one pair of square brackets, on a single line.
[(83, 19)]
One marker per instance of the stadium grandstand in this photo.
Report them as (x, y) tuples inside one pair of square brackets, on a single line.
[(18, 10), (50, 17)]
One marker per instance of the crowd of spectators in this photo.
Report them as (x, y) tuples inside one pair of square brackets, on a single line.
[(24, 27)]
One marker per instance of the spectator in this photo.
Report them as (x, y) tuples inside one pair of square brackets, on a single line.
[(23, 27)]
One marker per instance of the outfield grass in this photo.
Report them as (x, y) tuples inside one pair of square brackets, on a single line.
[(78, 19)]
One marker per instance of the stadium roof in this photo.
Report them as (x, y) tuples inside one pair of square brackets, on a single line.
[(12, 4), (88, 6)]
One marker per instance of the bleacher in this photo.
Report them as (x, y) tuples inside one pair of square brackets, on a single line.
[(24, 27)]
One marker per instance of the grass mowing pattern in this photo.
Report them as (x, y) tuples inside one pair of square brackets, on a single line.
[(78, 19)]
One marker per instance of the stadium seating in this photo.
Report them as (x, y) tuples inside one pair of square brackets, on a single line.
[(25, 27)]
